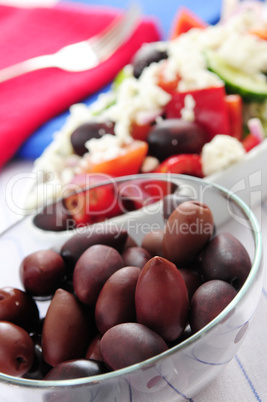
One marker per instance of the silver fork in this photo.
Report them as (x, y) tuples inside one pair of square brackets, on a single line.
[(83, 55)]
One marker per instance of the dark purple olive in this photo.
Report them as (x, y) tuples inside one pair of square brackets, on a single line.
[(93, 269), (187, 231), (171, 202), (54, 217), (86, 131), (130, 343), (18, 307), (97, 234), (66, 330), (41, 272), (16, 349), (208, 301), (161, 298), (116, 301), (152, 242), (136, 256), (226, 258), (146, 55), (175, 136), (76, 368)]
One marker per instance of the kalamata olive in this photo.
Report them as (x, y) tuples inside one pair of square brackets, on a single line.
[(130, 343), (18, 307), (76, 368), (116, 301), (53, 217), (93, 351), (97, 234), (161, 298), (92, 270), (192, 280), (66, 331), (152, 242), (175, 136), (208, 301), (187, 231), (226, 258), (16, 349), (39, 368), (146, 55), (41, 272), (135, 256), (171, 202), (86, 131)]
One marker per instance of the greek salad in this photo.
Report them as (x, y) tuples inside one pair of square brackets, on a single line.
[(194, 104)]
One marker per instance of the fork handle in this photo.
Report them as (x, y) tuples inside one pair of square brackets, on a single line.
[(36, 63)]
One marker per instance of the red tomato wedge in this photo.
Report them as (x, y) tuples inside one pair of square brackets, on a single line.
[(235, 106), (128, 162), (91, 205), (184, 21), (140, 132), (261, 33), (211, 110), (250, 141), (189, 164)]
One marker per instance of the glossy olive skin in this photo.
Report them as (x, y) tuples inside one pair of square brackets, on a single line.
[(208, 301), (41, 272), (161, 298), (92, 270), (54, 217), (152, 242), (73, 248), (86, 131), (175, 136), (116, 301), (226, 258), (187, 231), (146, 55), (136, 256), (130, 343), (16, 349), (172, 201), (66, 332), (76, 368), (18, 307)]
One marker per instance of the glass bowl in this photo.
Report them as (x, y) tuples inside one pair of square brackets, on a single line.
[(183, 370)]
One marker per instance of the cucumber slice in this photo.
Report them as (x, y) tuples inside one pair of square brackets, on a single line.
[(249, 87)]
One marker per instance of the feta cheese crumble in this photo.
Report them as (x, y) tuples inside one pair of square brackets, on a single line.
[(221, 152)]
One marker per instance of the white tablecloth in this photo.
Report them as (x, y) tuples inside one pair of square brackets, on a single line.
[(244, 378)]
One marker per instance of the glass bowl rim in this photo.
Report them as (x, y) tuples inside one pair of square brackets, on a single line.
[(45, 385)]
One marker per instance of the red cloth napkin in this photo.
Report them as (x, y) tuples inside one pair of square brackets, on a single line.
[(30, 100)]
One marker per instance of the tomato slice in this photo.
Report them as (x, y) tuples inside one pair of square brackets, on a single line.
[(184, 21), (140, 132), (235, 106), (210, 109), (250, 141), (91, 205), (189, 164), (127, 163)]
